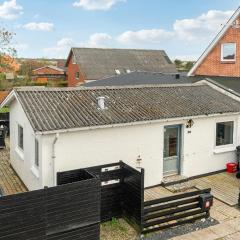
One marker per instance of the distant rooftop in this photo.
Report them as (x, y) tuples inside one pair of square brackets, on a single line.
[(140, 78), (98, 63)]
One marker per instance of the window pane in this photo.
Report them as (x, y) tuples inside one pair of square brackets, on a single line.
[(170, 142), (224, 133), (36, 153), (229, 51), (20, 137)]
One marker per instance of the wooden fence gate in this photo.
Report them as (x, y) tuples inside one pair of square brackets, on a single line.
[(122, 190), (174, 210)]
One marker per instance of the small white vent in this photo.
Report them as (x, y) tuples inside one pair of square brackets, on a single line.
[(128, 71), (118, 72), (101, 103)]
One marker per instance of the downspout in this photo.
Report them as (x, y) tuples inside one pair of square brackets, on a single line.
[(54, 157)]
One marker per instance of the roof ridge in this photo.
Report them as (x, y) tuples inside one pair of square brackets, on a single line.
[(86, 88), (135, 49)]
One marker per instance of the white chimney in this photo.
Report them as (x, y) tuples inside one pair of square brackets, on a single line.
[(101, 103)]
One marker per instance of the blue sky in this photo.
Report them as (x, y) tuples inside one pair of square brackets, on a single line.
[(48, 28)]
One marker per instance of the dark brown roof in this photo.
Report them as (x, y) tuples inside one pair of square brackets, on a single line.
[(57, 109), (98, 63)]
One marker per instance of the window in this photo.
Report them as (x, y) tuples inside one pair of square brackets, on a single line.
[(36, 153), (224, 133), (228, 52), (20, 137), (77, 75)]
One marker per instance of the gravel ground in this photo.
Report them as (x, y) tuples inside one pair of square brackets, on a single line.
[(181, 230)]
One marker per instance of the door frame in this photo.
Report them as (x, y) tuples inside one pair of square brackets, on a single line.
[(179, 148)]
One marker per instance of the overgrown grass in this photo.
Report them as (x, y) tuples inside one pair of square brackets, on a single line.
[(117, 229)]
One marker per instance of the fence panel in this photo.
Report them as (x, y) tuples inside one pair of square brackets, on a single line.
[(111, 177), (172, 211), (70, 211), (133, 195)]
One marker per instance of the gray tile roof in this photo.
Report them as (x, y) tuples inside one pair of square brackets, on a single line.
[(139, 78), (57, 109), (98, 63), (230, 83)]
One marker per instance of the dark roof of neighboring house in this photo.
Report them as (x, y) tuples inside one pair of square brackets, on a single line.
[(228, 83), (51, 109), (98, 63), (139, 78)]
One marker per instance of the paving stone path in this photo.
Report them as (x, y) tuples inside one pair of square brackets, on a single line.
[(227, 229)]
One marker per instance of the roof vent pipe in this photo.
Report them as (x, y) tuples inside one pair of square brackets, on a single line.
[(177, 76), (101, 103)]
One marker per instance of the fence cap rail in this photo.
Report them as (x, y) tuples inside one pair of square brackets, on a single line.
[(176, 197)]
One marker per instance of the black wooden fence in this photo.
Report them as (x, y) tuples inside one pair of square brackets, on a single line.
[(122, 195), (122, 190), (174, 210), (66, 212)]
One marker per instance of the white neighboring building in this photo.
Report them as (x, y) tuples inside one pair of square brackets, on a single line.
[(178, 129)]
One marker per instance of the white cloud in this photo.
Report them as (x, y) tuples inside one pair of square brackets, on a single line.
[(41, 26), (21, 46), (61, 49), (99, 40), (203, 27), (10, 10), (96, 4), (64, 45), (145, 36)]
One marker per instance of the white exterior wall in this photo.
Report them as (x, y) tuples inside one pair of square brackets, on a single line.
[(102, 146), (23, 161)]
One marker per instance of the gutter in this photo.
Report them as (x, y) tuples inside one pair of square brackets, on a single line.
[(134, 123), (54, 157)]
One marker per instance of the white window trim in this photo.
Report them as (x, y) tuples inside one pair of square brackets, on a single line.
[(227, 147), (20, 153), (19, 125), (35, 171), (228, 60)]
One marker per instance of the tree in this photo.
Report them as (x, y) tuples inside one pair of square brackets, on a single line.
[(7, 52), (189, 66), (177, 62)]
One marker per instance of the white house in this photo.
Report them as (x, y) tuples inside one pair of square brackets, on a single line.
[(187, 129)]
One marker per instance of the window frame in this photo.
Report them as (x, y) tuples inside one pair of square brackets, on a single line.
[(20, 146), (222, 48), (77, 75), (233, 134), (36, 156)]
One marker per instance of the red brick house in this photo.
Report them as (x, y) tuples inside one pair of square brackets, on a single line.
[(48, 73), (222, 56), (91, 64)]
